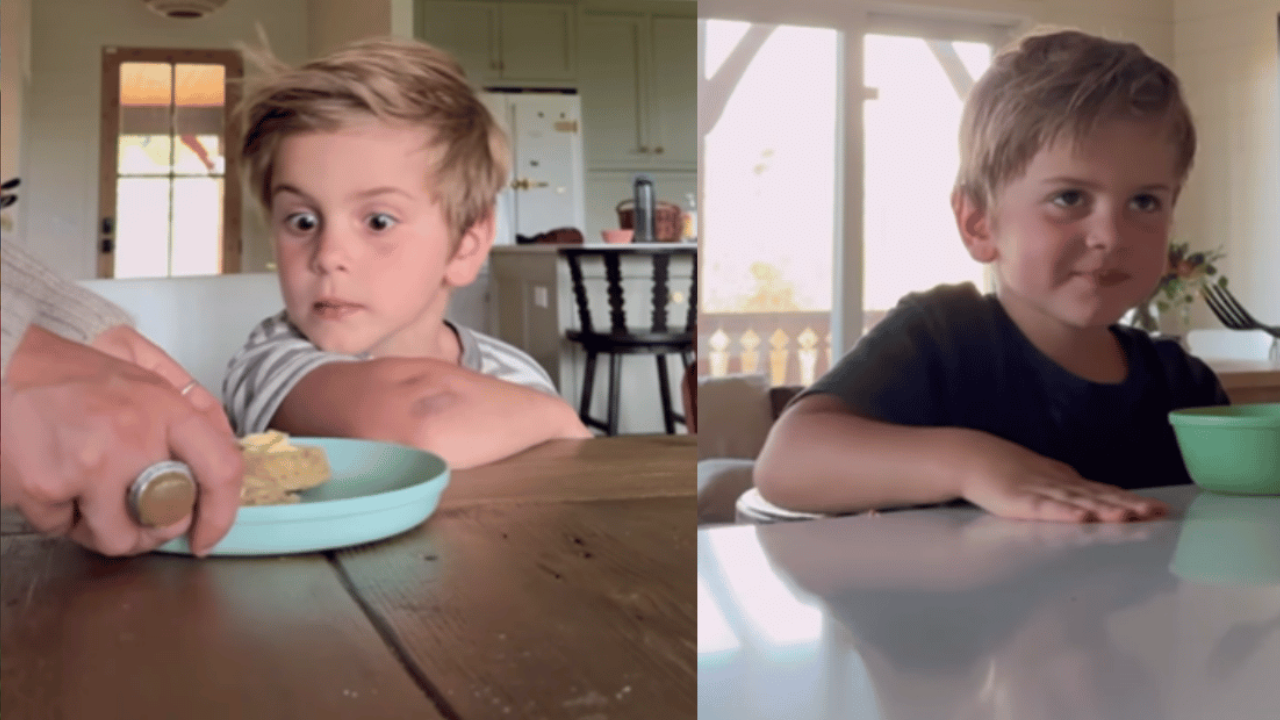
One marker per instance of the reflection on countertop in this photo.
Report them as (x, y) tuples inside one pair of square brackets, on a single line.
[(953, 613)]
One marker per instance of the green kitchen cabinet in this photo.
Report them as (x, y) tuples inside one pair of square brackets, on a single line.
[(526, 44), (638, 82)]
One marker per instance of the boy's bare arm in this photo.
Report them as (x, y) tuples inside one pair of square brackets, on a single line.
[(465, 417), (820, 457)]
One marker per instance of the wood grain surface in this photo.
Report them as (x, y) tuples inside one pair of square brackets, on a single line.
[(559, 583), (631, 466), (173, 637), (538, 610)]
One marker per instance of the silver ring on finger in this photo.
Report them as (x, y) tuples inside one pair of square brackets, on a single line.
[(162, 494)]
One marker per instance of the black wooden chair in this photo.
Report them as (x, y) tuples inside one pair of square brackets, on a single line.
[(657, 337)]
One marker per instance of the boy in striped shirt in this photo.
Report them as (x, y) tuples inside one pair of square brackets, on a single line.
[(378, 167)]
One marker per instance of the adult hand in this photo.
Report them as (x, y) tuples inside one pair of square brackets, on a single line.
[(127, 344), (1012, 481), (78, 427)]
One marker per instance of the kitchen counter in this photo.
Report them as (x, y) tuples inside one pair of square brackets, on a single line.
[(547, 248), (532, 305), (1248, 381)]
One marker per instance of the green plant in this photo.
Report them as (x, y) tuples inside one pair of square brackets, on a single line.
[(1186, 274)]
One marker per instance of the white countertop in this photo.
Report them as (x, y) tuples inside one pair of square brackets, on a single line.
[(556, 247), (951, 613), (535, 248)]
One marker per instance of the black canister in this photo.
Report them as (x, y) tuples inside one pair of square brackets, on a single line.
[(644, 207)]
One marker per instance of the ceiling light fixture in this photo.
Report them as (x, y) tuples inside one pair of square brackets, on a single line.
[(184, 9)]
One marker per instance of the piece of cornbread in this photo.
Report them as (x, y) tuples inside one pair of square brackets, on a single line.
[(274, 470)]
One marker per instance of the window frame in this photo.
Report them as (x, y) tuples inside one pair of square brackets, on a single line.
[(852, 24), (109, 128)]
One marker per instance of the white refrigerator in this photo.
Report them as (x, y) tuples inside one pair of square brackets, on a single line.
[(545, 190)]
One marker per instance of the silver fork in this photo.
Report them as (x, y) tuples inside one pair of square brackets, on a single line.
[(1234, 316)]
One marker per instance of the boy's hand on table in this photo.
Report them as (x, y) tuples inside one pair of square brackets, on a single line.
[(80, 425), (1009, 480)]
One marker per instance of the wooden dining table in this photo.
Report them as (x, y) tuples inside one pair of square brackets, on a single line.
[(558, 583)]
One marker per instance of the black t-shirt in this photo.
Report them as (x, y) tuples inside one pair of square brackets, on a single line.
[(950, 357)]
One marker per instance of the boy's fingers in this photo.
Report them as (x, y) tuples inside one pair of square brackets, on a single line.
[(1104, 508), (1148, 505), (1142, 508), (1047, 507), (1109, 503), (1120, 496), (1157, 509)]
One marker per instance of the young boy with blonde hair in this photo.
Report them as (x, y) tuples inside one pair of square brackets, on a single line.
[(378, 168), (1032, 402)]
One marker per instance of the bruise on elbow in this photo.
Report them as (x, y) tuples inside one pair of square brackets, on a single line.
[(427, 410), (431, 403), (429, 390)]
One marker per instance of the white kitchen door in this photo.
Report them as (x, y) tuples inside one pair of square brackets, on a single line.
[(545, 190)]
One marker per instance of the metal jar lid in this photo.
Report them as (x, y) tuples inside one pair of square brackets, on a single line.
[(162, 494)]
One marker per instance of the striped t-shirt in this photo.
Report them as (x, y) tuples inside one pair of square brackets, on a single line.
[(277, 355)]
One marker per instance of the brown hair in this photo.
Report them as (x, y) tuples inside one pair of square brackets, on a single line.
[(1050, 85), (393, 80)]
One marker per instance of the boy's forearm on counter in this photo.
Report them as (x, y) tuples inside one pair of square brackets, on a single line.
[(479, 419), (467, 418), (829, 460)]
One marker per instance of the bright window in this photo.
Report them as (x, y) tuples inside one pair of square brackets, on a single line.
[(769, 166), (775, 145), (910, 241)]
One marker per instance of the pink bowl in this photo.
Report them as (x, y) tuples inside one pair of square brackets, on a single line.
[(616, 237)]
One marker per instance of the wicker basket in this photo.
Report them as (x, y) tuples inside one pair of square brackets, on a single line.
[(668, 219)]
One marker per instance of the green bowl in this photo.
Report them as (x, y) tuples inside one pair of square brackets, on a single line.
[(1232, 449)]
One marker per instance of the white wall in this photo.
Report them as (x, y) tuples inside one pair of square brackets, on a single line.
[(1224, 50), (333, 23), (60, 158), (15, 64), (1226, 54)]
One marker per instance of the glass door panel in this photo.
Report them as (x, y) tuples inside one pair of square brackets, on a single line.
[(769, 164), (166, 206), (142, 216), (199, 119), (911, 119), (197, 225)]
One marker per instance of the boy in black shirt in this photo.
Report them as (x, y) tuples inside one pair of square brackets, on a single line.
[(1032, 403)]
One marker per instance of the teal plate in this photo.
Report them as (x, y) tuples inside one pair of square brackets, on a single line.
[(377, 490)]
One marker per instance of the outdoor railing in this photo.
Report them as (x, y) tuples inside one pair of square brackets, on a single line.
[(789, 348)]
